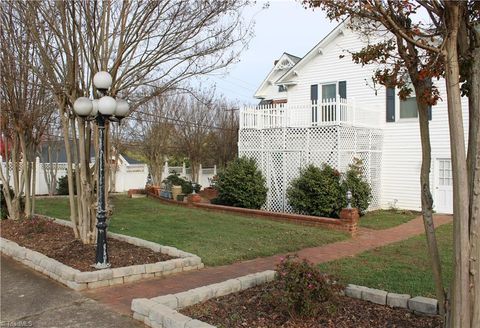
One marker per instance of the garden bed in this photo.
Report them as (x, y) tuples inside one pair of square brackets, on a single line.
[(155, 260), (257, 307), (58, 242)]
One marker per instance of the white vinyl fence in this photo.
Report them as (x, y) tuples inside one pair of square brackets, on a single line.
[(205, 175), (129, 176)]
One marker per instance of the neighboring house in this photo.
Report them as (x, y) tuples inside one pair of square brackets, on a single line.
[(323, 108), (130, 174)]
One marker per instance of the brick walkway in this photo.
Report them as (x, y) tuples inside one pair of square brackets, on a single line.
[(120, 297)]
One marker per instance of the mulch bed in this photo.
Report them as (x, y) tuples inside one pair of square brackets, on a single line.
[(58, 242), (256, 308)]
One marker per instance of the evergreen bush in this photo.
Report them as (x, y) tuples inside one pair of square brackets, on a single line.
[(316, 191), (62, 186), (241, 184), (354, 181)]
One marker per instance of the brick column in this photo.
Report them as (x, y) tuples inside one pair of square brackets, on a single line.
[(349, 218)]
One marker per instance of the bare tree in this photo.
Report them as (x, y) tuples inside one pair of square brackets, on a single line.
[(147, 46), (26, 111), (452, 36)]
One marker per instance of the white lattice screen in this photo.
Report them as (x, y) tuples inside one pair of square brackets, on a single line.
[(282, 152)]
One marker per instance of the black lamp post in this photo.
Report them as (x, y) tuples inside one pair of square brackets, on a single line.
[(104, 109)]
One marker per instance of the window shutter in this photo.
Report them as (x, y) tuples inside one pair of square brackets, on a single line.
[(390, 105), (314, 92), (429, 113), (342, 89)]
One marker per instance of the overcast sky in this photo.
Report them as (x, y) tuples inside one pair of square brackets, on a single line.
[(285, 26)]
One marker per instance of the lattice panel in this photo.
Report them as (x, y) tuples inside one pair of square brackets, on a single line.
[(297, 138), (282, 152), (249, 139), (273, 139)]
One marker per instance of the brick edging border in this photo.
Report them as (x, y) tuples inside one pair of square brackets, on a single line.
[(347, 223), (162, 311), (78, 280)]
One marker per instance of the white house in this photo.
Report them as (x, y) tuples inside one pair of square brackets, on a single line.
[(322, 109)]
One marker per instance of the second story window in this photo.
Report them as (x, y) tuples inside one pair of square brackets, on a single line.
[(408, 108), (282, 88)]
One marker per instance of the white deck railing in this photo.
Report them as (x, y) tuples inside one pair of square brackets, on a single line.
[(326, 112)]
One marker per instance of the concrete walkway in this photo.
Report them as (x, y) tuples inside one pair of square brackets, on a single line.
[(30, 299), (120, 297)]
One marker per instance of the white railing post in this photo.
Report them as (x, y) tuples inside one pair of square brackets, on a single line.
[(215, 169), (184, 169), (337, 108), (354, 110), (165, 169)]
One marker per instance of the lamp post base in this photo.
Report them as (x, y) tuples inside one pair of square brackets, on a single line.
[(101, 266)]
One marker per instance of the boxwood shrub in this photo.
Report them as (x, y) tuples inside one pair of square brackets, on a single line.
[(316, 191), (241, 184)]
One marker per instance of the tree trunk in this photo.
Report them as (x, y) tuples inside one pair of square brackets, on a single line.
[(71, 193), (460, 303), (473, 163), (427, 203)]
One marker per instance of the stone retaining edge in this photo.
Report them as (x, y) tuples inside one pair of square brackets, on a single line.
[(418, 304), (77, 280), (161, 312)]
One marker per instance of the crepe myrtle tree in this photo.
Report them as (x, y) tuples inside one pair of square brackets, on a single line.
[(443, 43), (148, 47)]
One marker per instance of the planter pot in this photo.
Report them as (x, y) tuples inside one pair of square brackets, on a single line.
[(194, 198)]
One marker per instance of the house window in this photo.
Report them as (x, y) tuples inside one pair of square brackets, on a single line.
[(408, 108), (445, 172), (282, 88)]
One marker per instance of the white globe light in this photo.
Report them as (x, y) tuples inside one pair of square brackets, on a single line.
[(122, 108), (82, 106), (94, 107), (102, 80), (107, 105)]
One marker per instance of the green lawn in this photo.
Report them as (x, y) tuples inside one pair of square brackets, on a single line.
[(384, 219), (216, 237), (403, 267)]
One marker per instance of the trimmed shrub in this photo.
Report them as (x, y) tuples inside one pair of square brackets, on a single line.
[(316, 191), (187, 186), (301, 287), (62, 187), (354, 181), (241, 184)]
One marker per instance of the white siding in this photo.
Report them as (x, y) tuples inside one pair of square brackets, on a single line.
[(402, 154), (329, 67), (401, 160)]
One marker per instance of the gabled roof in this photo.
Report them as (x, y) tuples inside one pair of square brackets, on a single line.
[(285, 62), (291, 73), (131, 160)]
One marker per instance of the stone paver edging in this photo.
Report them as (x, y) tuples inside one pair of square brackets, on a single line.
[(77, 280), (419, 304), (161, 312)]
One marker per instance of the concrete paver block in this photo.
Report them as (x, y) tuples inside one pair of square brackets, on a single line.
[(175, 320), (247, 281), (90, 276), (132, 278), (398, 300), (354, 291), (168, 300), (423, 305), (375, 296), (154, 267), (187, 298), (142, 306)]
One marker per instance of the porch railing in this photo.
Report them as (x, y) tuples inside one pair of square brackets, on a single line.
[(325, 112)]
